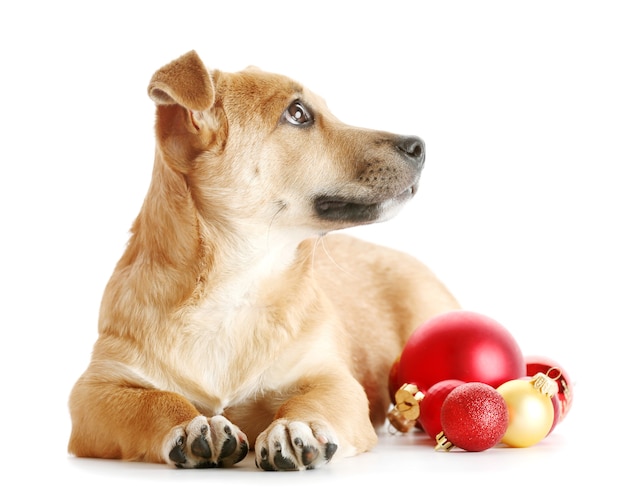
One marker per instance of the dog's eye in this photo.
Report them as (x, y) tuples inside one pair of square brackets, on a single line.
[(297, 114)]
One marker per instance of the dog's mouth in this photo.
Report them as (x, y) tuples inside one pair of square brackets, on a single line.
[(359, 211)]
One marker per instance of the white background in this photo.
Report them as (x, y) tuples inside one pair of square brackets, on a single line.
[(520, 210)]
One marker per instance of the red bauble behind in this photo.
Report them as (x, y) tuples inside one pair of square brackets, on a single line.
[(552, 369), (430, 406), (460, 345), (556, 405)]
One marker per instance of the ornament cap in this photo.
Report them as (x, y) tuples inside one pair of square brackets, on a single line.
[(544, 384), (399, 422), (406, 411), (443, 444)]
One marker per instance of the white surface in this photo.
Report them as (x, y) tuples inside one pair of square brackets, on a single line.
[(520, 210), (400, 467)]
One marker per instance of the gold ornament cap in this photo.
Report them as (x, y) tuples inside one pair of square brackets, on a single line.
[(406, 411), (544, 384), (443, 444)]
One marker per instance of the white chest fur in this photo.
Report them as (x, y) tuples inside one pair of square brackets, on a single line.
[(232, 341)]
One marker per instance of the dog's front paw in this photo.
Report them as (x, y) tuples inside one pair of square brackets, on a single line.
[(294, 445), (205, 443)]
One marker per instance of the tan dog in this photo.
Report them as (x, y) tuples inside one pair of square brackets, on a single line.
[(224, 321)]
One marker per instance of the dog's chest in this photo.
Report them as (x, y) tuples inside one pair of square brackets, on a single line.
[(230, 345), (247, 331)]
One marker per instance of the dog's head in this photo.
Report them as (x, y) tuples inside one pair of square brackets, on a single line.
[(262, 149)]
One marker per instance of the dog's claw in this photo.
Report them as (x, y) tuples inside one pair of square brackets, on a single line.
[(177, 454), (229, 446), (262, 461), (243, 452), (330, 451), (283, 463), (233, 450)]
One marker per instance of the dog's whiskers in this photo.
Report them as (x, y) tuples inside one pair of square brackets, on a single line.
[(281, 206), (321, 240)]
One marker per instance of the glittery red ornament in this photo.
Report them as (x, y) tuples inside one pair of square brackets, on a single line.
[(460, 345), (430, 406), (474, 417), (552, 369)]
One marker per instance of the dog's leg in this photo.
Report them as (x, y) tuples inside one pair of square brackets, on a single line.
[(329, 418), (119, 421)]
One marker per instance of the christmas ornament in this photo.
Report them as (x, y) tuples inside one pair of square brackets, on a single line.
[(430, 406), (460, 345), (564, 395), (414, 409), (404, 415), (530, 408), (556, 405), (474, 417), (393, 385)]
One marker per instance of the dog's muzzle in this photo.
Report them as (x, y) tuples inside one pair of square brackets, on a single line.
[(380, 185)]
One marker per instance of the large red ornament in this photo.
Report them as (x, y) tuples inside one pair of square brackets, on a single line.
[(460, 345), (474, 417), (552, 369)]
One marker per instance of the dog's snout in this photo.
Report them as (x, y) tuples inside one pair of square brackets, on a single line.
[(413, 147)]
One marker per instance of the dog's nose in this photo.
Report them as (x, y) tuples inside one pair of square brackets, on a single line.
[(413, 147)]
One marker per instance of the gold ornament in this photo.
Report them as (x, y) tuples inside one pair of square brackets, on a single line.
[(531, 412)]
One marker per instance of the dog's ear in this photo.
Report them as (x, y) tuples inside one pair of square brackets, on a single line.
[(185, 81), (186, 121)]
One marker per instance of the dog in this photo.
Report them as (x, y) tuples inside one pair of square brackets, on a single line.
[(238, 319)]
